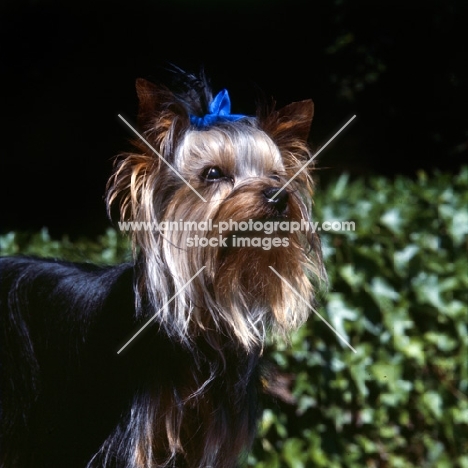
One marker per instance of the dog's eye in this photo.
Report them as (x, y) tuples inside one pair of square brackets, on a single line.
[(213, 174), (275, 177)]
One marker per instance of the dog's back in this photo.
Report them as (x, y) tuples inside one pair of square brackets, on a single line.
[(59, 324), (69, 400)]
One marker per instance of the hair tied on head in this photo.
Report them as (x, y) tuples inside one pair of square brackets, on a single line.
[(218, 111)]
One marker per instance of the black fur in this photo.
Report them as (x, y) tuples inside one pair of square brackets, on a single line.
[(64, 389)]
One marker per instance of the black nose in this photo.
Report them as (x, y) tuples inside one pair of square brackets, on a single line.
[(277, 197)]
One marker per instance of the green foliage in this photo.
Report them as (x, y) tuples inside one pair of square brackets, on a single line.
[(398, 293), (109, 249)]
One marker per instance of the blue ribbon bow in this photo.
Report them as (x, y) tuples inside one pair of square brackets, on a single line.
[(218, 111)]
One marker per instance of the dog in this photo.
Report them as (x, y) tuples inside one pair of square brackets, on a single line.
[(158, 363)]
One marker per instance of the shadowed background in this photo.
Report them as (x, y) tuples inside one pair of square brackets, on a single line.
[(67, 70)]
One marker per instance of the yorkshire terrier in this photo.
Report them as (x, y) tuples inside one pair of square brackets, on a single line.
[(158, 363)]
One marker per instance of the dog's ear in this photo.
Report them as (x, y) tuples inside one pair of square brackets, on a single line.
[(147, 93), (160, 113), (152, 100), (297, 118), (291, 122)]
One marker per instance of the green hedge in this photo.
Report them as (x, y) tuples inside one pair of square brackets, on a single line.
[(398, 294)]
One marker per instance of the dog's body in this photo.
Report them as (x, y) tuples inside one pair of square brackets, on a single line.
[(70, 389), (184, 392)]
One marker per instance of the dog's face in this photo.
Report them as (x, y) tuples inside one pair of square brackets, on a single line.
[(234, 199)]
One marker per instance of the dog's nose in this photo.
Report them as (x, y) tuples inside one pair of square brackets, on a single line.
[(278, 197)]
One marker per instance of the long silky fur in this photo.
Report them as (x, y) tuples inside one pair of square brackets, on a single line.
[(184, 394), (144, 187)]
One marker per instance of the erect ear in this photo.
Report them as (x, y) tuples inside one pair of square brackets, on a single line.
[(150, 98), (291, 122), (159, 110), (146, 92)]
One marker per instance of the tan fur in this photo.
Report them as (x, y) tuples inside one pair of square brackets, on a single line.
[(237, 297)]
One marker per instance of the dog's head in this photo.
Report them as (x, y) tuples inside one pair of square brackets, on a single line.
[(227, 193)]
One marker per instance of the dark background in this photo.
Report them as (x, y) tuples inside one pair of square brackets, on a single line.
[(68, 68)]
